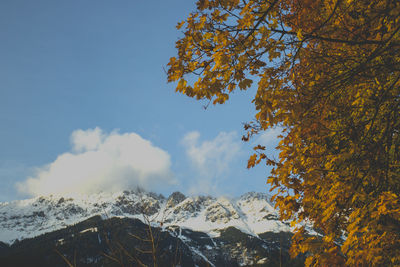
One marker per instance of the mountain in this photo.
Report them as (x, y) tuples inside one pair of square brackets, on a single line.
[(203, 230)]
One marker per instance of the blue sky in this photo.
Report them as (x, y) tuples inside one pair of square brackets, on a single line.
[(75, 70)]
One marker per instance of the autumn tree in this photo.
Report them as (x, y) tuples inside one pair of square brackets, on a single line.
[(327, 73)]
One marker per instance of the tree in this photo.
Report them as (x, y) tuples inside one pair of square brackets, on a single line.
[(327, 73)]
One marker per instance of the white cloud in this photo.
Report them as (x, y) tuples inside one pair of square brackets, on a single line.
[(211, 158), (102, 162), (269, 137), (270, 140), (87, 140), (214, 154)]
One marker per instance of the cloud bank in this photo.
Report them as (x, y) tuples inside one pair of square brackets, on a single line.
[(101, 161)]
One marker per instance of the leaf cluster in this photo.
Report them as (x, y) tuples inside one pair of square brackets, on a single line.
[(327, 73)]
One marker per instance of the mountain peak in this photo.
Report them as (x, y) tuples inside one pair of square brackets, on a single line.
[(175, 198)]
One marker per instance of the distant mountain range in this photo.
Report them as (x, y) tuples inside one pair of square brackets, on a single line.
[(102, 229)]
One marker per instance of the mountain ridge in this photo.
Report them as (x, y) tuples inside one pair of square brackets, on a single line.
[(252, 213)]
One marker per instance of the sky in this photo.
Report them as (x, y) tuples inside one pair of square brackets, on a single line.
[(85, 105)]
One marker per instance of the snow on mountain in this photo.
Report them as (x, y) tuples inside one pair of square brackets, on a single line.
[(252, 213)]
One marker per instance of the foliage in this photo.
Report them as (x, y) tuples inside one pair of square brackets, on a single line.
[(328, 74)]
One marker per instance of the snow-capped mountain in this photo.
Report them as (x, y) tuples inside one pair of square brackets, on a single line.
[(252, 213), (190, 231)]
